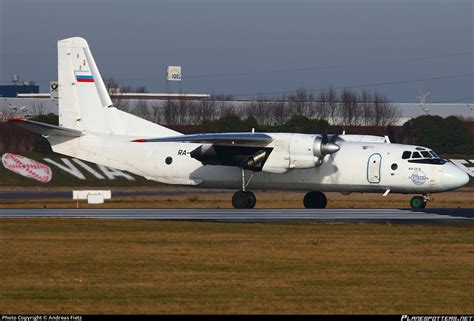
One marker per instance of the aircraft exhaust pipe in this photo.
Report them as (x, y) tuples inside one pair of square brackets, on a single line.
[(255, 159)]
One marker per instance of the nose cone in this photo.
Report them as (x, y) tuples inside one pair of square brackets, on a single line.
[(453, 177)]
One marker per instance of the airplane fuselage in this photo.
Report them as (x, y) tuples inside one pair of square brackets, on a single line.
[(356, 167)]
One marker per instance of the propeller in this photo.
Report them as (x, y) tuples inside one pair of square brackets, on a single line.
[(328, 144), (329, 148), (325, 145), (332, 139)]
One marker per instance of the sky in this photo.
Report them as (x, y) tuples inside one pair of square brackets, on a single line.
[(253, 49)]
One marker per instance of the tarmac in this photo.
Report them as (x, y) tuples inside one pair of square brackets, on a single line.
[(405, 216)]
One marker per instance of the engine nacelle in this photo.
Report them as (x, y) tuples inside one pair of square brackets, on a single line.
[(288, 151), (307, 151)]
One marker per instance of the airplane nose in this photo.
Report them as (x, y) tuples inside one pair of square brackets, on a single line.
[(453, 177)]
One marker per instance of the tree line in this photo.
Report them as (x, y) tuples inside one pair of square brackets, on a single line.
[(347, 107)]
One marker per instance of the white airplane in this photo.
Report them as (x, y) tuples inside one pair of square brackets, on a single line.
[(90, 128)]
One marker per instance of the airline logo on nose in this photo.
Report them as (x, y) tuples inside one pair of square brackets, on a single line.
[(83, 76), (418, 178)]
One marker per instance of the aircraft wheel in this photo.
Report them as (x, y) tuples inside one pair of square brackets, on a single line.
[(244, 199), (417, 202), (315, 200), (253, 199)]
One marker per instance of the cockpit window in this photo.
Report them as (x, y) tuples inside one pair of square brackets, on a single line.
[(426, 154), (434, 154), (423, 156), (434, 161)]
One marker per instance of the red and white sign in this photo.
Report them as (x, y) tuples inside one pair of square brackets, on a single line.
[(27, 167)]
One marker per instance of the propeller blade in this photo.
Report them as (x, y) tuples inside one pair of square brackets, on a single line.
[(334, 138), (325, 139)]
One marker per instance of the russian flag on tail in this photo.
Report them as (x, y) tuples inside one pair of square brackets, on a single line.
[(84, 76)]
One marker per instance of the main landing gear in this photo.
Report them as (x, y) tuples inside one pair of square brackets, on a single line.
[(418, 202), (243, 198), (315, 200), (247, 199)]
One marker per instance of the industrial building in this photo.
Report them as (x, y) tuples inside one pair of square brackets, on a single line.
[(18, 87)]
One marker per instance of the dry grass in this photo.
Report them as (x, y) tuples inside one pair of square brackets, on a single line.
[(463, 198), (97, 266)]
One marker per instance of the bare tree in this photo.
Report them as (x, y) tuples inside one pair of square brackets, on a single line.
[(349, 110), (300, 102), (142, 110), (280, 111), (141, 89), (116, 89), (330, 106), (259, 109), (323, 110), (157, 113), (366, 108), (384, 112), (206, 110), (169, 113), (183, 112), (38, 109), (222, 105)]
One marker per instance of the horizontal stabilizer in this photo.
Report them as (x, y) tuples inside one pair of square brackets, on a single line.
[(43, 128), (241, 139)]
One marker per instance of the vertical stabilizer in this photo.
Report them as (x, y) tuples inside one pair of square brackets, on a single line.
[(84, 102), (82, 92)]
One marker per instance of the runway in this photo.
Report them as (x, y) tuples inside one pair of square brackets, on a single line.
[(256, 215)]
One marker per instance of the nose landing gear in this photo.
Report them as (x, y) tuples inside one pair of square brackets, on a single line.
[(418, 202)]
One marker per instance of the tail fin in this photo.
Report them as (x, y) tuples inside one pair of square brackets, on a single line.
[(82, 93), (84, 103)]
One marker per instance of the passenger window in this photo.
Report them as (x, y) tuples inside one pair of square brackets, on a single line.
[(426, 154), (416, 155), (406, 155)]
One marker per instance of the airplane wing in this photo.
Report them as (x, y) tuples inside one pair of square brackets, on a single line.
[(245, 150), (43, 128), (221, 139)]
